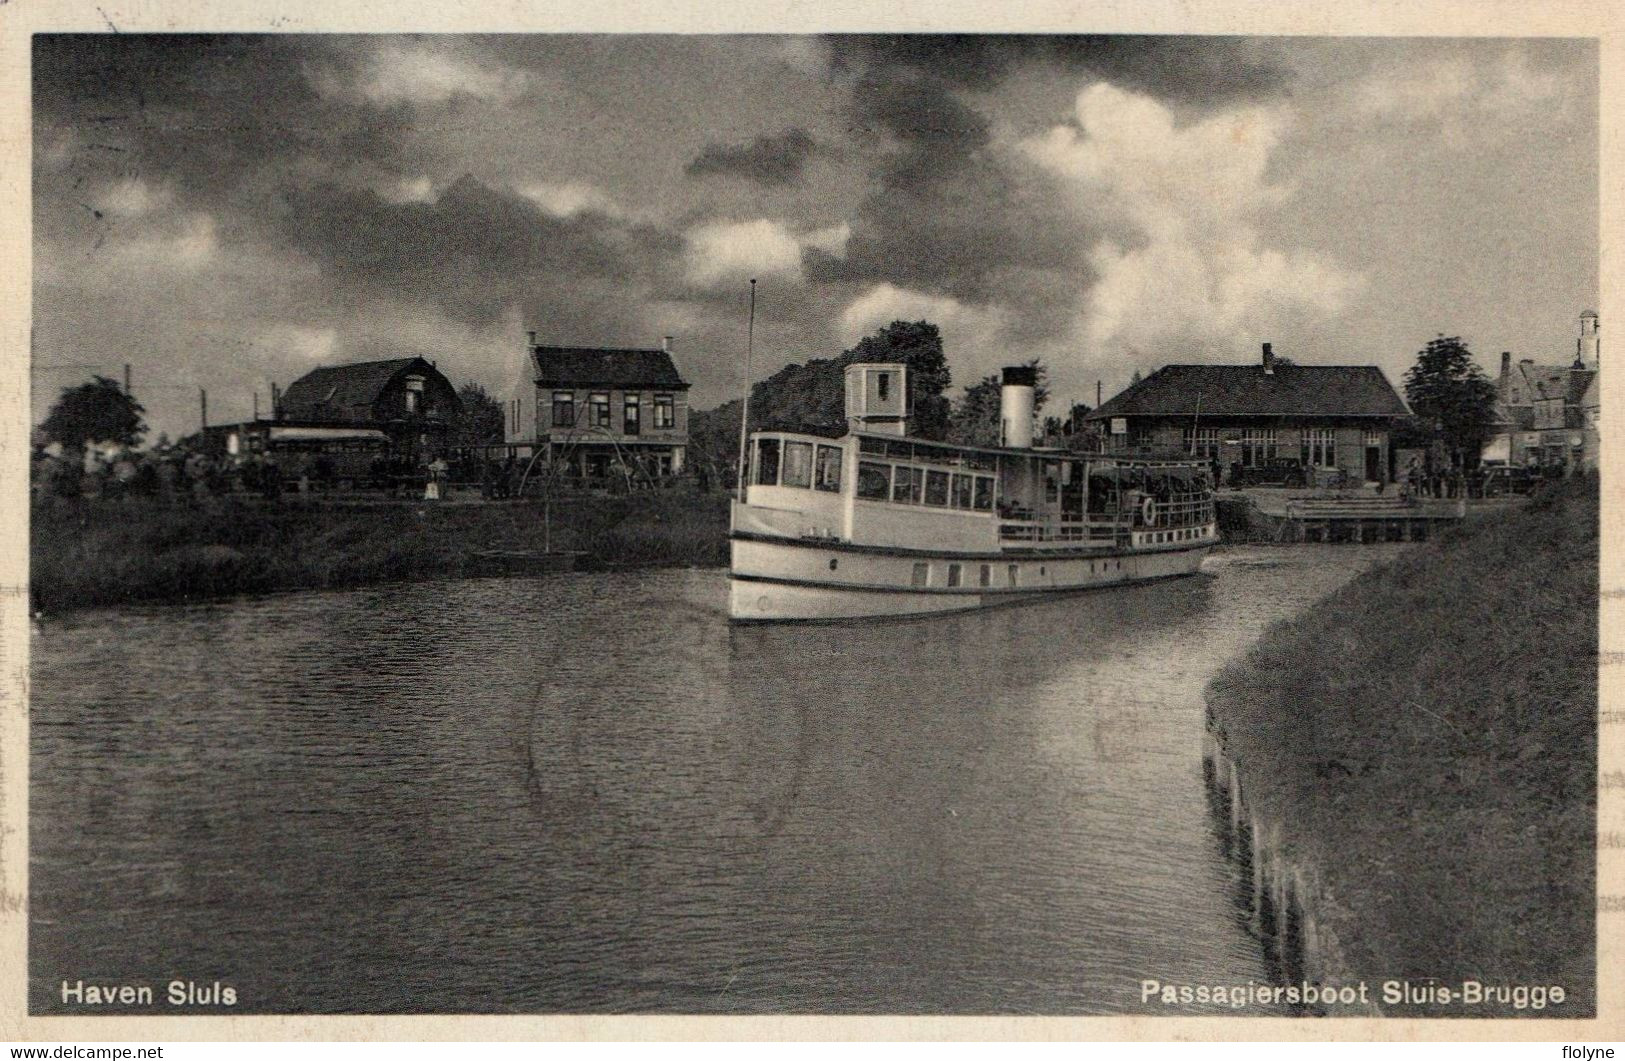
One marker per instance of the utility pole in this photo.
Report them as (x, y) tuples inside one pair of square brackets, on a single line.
[(126, 379), (1097, 394), (256, 407), (744, 408), (203, 405)]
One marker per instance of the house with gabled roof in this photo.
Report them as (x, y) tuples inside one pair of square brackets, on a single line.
[(602, 408), (1549, 413), (1327, 417)]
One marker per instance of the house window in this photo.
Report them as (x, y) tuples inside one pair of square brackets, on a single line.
[(798, 461), (1202, 442), (665, 412), (1257, 445), (1319, 448), (598, 403), (906, 487), (632, 415), (767, 462), (829, 468), (874, 481), (936, 489), (564, 408), (1373, 437)]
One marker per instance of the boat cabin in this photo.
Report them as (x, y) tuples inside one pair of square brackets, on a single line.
[(888, 490)]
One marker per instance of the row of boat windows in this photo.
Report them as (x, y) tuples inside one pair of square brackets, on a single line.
[(922, 575), (905, 485), (801, 465), (1160, 537)]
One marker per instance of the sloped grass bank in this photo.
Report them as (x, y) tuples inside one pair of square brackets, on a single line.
[(1425, 740), (99, 552)]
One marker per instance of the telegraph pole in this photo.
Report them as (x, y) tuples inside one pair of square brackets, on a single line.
[(203, 405), (744, 408)]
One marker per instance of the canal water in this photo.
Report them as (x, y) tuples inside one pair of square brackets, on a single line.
[(590, 794)]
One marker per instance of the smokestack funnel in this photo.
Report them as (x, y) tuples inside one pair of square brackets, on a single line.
[(1269, 360), (1016, 399)]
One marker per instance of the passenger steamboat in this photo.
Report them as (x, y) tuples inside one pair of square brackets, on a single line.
[(880, 524)]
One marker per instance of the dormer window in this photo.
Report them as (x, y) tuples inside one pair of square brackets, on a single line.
[(414, 394)]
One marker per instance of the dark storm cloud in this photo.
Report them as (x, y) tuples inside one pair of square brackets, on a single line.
[(768, 160), (213, 116), (475, 251), (945, 215), (1180, 69)]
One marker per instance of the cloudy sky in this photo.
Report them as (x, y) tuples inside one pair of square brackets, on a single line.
[(231, 212)]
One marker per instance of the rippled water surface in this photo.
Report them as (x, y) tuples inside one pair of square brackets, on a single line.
[(589, 793)]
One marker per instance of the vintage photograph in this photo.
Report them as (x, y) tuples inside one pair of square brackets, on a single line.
[(732, 524)]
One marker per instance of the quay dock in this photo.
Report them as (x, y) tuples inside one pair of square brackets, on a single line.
[(1297, 517)]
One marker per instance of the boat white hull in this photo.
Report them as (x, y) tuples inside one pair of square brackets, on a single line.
[(804, 580)]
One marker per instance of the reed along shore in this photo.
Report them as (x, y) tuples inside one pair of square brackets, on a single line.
[(93, 552), (1422, 744)]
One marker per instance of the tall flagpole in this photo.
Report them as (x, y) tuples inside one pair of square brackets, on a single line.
[(744, 407)]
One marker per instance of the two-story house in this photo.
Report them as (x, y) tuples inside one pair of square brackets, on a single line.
[(597, 407)]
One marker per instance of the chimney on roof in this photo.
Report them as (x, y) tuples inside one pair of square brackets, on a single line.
[(665, 344), (532, 338), (1506, 363), (1269, 360), (1590, 356)]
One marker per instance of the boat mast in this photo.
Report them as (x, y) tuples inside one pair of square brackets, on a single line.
[(744, 406)]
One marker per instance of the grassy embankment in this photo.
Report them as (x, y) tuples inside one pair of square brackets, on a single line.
[(87, 552), (1426, 739)]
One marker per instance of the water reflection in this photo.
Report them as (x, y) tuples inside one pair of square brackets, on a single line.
[(591, 794)]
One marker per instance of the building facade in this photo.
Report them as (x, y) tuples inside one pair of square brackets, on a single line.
[(602, 409), (401, 409), (1333, 420), (1549, 414)]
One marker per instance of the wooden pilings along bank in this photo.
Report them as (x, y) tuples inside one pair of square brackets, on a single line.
[(1285, 900)]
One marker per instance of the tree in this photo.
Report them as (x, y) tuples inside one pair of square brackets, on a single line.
[(975, 419), (1448, 389), (98, 411), (480, 422)]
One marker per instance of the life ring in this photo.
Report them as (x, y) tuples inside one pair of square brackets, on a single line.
[(1148, 510)]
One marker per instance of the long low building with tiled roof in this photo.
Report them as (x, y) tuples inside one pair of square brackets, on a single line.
[(1326, 417)]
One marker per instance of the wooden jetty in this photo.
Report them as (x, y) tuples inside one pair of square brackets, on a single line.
[(1364, 518)]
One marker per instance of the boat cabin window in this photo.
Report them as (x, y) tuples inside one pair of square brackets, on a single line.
[(936, 488), (984, 494), (907, 486), (874, 481), (829, 468), (767, 462), (798, 464), (964, 490)]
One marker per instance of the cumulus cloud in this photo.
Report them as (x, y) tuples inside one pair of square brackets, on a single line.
[(132, 197), (971, 335), (1196, 269), (299, 342), (1456, 89), (725, 251), (569, 198), (416, 73)]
